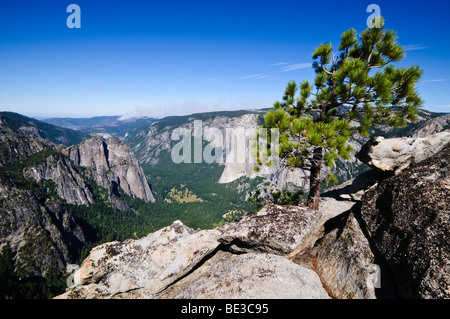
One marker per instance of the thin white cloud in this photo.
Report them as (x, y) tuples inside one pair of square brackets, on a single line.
[(255, 76), (297, 66), (279, 64), (434, 80), (414, 47)]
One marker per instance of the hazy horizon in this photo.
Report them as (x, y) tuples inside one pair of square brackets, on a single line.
[(164, 58)]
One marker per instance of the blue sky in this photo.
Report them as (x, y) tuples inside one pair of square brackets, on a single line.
[(159, 58)]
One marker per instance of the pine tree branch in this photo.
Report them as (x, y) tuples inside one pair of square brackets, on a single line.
[(327, 72), (371, 52), (380, 66)]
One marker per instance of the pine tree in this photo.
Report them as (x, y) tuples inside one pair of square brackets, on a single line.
[(355, 87)]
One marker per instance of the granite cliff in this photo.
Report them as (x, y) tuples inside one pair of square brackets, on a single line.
[(112, 165)]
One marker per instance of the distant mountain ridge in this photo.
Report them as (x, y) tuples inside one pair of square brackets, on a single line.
[(112, 125), (55, 134), (81, 123)]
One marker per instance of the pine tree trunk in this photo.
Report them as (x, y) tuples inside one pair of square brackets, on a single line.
[(314, 179)]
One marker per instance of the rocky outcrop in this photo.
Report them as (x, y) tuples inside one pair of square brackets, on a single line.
[(151, 263), (354, 189), (112, 165), (345, 262), (396, 154), (280, 252), (274, 229), (392, 242), (249, 276), (226, 262), (407, 217), (340, 252)]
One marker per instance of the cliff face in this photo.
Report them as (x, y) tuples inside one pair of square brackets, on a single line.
[(112, 164), (391, 242), (408, 218), (70, 185)]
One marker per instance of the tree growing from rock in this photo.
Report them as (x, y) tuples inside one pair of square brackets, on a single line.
[(355, 87)]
